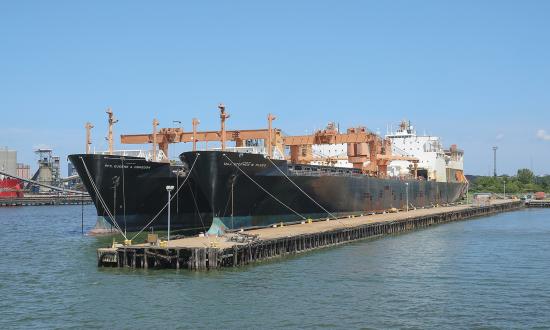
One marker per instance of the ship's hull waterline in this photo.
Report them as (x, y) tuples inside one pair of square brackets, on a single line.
[(134, 191), (247, 190)]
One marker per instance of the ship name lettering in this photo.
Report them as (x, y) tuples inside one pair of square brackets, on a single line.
[(245, 164)]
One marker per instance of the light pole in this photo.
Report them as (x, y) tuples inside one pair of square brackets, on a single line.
[(407, 194), (505, 189), (495, 161), (169, 190)]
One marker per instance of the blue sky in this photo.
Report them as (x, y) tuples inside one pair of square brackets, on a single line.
[(476, 73)]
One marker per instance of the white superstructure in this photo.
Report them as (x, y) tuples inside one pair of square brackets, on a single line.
[(434, 162), (331, 155)]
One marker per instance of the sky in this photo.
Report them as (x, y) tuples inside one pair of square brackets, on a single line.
[(475, 73)]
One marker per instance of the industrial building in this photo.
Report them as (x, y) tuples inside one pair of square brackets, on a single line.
[(8, 161)]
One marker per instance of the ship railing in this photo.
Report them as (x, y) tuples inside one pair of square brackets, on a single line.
[(258, 150), (245, 150), (147, 154), (321, 172)]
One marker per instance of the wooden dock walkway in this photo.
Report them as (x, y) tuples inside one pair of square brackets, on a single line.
[(237, 249)]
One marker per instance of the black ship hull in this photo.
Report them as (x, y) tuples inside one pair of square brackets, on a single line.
[(134, 191), (247, 190)]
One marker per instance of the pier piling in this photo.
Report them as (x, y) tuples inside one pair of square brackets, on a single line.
[(196, 254)]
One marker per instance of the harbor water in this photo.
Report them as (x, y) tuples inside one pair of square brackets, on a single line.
[(491, 272)]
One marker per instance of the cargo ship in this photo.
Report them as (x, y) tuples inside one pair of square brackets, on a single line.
[(10, 188), (251, 187), (128, 187), (129, 193), (266, 177)]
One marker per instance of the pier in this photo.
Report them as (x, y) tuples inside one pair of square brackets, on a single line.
[(243, 248), (38, 200), (538, 203)]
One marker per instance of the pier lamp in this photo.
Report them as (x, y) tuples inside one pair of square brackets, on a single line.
[(407, 194), (169, 190)]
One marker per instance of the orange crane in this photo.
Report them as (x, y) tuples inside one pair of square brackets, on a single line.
[(365, 150), (166, 136)]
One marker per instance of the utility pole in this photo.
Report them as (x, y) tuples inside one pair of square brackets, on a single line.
[(223, 116), (495, 161), (88, 127), (112, 121)]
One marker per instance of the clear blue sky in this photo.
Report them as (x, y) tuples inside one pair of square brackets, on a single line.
[(476, 73)]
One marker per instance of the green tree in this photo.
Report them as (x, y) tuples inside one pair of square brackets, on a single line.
[(512, 187), (526, 176), (544, 182)]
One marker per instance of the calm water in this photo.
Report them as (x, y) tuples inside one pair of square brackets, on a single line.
[(486, 273)]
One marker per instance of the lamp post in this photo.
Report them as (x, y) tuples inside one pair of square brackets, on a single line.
[(504, 188), (169, 190), (495, 161), (407, 194)]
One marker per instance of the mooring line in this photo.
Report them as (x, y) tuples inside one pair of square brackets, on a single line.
[(123, 195), (196, 206), (98, 194), (314, 201), (171, 198), (267, 192)]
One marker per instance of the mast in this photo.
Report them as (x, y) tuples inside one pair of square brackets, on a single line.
[(155, 124), (270, 119), (88, 127), (195, 123), (223, 116), (112, 121)]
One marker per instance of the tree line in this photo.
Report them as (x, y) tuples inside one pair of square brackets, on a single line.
[(524, 181)]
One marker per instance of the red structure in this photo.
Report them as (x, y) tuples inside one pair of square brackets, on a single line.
[(540, 195), (11, 188)]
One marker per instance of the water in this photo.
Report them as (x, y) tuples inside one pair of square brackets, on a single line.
[(491, 272)]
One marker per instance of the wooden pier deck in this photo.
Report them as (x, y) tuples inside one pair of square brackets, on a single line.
[(236, 249)]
